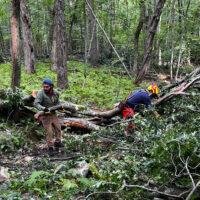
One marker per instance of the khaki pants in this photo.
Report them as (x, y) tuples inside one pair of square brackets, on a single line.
[(48, 121)]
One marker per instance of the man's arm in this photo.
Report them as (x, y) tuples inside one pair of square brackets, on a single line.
[(38, 101), (150, 106)]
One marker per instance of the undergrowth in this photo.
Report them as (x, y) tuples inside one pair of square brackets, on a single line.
[(102, 89), (161, 153)]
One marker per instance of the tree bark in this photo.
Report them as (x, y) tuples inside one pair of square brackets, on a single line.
[(149, 42), (62, 78), (2, 47), (93, 33), (54, 46), (37, 37), (79, 123), (172, 40), (158, 48), (16, 66), (73, 18), (86, 44), (137, 35), (168, 23), (112, 23), (29, 58), (183, 30)]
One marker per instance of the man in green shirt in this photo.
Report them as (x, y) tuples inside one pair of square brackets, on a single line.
[(46, 98)]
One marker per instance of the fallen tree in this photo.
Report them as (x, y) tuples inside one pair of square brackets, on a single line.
[(74, 115), (159, 160)]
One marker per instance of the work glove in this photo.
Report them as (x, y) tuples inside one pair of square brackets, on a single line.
[(61, 110), (46, 110)]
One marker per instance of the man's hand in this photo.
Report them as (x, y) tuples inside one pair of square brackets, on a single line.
[(155, 113)]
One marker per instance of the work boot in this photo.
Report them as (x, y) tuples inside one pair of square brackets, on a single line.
[(57, 145), (50, 151)]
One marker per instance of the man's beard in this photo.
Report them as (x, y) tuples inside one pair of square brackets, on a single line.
[(47, 91)]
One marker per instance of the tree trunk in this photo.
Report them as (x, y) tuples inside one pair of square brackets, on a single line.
[(54, 46), (2, 47), (93, 31), (86, 44), (181, 13), (158, 49), (183, 30), (137, 35), (37, 37), (112, 22), (168, 23), (172, 39), (149, 42), (29, 58), (16, 66), (73, 17), (62, 79)]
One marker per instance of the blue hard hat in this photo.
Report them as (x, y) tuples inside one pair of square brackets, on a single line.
[(47, 81)]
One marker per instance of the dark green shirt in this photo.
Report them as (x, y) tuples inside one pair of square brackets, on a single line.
[(43, 100)]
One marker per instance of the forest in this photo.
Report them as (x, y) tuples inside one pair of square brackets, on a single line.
[(97, 53)]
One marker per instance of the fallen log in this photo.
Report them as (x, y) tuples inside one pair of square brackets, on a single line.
[(187, 77), (177, 91), (79, 123), (106, 114), (78, 113), (79, 109)]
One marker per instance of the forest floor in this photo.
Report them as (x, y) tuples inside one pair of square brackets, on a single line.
[(104, 164)]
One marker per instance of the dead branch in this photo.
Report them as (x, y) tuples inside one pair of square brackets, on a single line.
[(109, 192), (65, 158), (149, 182), (124, 185), (193, 190), (190, 75), (177, 91), (155, 191)]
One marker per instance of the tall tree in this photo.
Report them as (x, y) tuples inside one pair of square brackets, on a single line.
[(149, 41), (183, 30), (54, 45), (15, 32), (86, 44), (72, 21), (29, 58), (62, 78), (93, 34), (172, 41), (1, 46), (158, 48), (137, 35)]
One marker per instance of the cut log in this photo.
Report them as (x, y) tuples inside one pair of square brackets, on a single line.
[(79, 123)]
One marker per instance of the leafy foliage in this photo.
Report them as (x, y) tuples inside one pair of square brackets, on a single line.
[(156, 151), (102, 84)]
